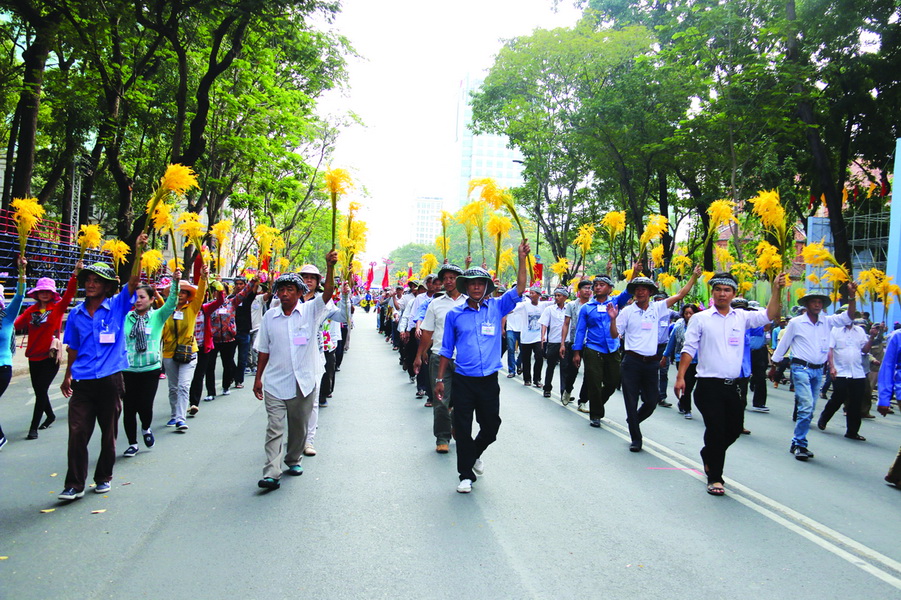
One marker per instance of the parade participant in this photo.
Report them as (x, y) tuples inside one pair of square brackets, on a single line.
[(143, 333), (432, 337), (512, 334), (600, 349), (530, 337), (716, 337), (847, 345), (180, 348), (641, 363), (206, 360), (95, 337), (243, 327), (753, 336), (8, 314), (472, 337), (257, 309), (224, 328), (673, 352), (568, 366), (551, 322), (42, 320), (808, 336), (289, 369), (890, 387), (410, 321), (664, 328)]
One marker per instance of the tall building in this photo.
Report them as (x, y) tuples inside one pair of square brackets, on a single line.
[(427, 224), (483, 155)]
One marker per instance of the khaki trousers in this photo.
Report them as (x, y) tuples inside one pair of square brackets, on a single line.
[(297, 412)]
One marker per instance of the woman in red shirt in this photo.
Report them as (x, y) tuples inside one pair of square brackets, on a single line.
[(43, 320)]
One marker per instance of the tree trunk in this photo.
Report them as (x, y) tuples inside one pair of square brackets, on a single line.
[(667, 240), (10, 157), (34, 59)]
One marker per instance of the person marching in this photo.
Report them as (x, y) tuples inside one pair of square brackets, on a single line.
[(570, 319), (551, 322), (180, 348), (673, 352), (638, 324), (530, 337), (472, 338), (143, 333), (43, 320), (8, 314), (808, 336), (203, 333), (292, 363), (432, 337), (716, 338), (95, 336)]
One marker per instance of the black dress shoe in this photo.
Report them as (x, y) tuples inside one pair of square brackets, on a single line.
[(855, 436), (47, 422), (32, 434), (635, 447), (821, 424)]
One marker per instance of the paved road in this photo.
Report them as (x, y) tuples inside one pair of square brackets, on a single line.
[(563, 511)]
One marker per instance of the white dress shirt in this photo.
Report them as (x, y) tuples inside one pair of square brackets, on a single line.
[(435, 316), (639, 327), (809, 341), (847, 344), (291, 343), (719, 340), (552, 318), (515, 318)]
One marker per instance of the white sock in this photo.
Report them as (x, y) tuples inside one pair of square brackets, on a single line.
[(145, 431)]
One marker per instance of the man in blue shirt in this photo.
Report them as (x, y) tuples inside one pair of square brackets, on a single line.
[(93, 382), (473, 331), (602, 362)]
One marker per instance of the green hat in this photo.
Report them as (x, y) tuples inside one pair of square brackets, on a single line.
[(101, 270)]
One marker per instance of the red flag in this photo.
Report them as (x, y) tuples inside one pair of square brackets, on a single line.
[(385, 283), (884, 191), (370, 276), (198, 264), (264, 266), (537, 272), (409, 273)]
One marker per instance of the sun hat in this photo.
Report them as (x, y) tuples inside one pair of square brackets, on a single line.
[(187, 286), (449, 267), (101, 270), (44, 284), (475, 273), (645, 281), (310, 269), (806, 297)]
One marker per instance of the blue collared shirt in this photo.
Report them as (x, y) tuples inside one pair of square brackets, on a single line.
[(476, 334), (594, 320), (98, 354)]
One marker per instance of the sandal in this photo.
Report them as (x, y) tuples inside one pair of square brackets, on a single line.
[(715, 491)]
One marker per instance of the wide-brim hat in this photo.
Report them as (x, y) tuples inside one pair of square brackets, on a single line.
[(449, 267), (186, 286), (806, 297), (740, 303), (310, 269), (45, 284), (645, 281), (101, 270), (477, 273)]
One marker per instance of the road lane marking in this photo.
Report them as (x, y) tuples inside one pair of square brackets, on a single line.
[(861, 556)]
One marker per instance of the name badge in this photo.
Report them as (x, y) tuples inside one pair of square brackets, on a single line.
[(487, 328), (734, 341), (107, 338), (178, 315), (646, 325), (299, 340), (602, 308), (222, 311), (148, 330)]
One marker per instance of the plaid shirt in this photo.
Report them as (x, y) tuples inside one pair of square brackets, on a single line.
[(222, 320)]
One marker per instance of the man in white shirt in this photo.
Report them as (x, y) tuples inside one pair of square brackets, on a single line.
[(551, 322), (847, 346), (432, 329), (717, 337), (570, 321), (640, 369), (808, 337), (512, 331), (289, 356), (530, 337)]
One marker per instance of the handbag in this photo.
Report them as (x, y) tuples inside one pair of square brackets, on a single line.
[(184, 353), (56, 349)]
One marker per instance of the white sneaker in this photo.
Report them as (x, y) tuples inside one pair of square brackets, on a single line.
[(465, 486), (565, 398), (688, 416), (583, 407), (309, 450), (478, 467)]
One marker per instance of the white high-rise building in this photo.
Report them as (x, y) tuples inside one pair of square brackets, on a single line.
[(483, 155), (427, 224)]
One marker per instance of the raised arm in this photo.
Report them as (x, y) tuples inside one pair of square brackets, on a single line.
[(522, 275), (329, 288), (686, 288), (774, 306)]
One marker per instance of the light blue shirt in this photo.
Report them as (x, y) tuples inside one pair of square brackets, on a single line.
[(476, 334)]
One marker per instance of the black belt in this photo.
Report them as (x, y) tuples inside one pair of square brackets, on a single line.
[(804, 363), (643, 358), (733, 381)]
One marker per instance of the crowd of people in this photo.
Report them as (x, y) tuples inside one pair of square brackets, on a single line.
[(121, 342), (451, 329)]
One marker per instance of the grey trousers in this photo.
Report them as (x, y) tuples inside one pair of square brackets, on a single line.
[(179, 377), (441, 408), (297, 410)]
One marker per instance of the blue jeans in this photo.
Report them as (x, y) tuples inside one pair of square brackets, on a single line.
[(512, 338), (243, 340), (808, 383)]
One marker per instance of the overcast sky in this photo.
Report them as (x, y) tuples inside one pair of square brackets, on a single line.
[(414, 55)]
